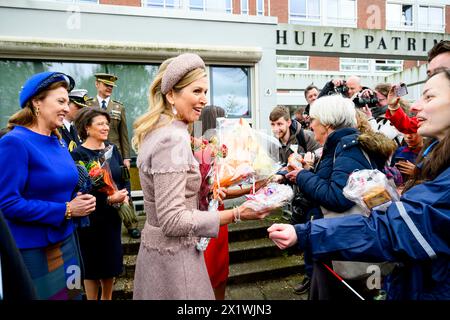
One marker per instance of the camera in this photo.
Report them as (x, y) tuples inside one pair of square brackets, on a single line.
[(342, 89), (361, 101)]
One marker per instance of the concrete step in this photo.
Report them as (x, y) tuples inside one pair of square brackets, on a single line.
[(265, 268), (253, 249), (273, 289)]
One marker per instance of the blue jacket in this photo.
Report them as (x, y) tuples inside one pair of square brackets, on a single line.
[(38, 178), (341, 156), (417, 236)]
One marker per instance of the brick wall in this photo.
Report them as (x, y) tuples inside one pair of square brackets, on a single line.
[(324, 63), (407, 64), (371, 14), (280, 9), (252, 7), (236, 6), (447, 19), (134, 3)]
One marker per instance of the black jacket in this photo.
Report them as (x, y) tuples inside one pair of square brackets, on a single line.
[(17, 283)]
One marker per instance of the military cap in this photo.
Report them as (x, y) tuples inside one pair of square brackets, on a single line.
[(106, 78), (79, 97), (41, 81)]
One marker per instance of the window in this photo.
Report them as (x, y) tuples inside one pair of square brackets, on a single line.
[(162, 3), (390, 66), (230, 87), (354, 65), (292, 63), (77, 1), (399, 15), (259, 7), (431, 18), (244, 7), (211, 5), (357, 65), (341, 13), (304, 12)]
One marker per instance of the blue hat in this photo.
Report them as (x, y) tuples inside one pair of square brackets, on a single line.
[(41, 81)]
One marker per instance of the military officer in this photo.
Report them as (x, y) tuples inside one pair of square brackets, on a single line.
[(118, 131), (77, 100)]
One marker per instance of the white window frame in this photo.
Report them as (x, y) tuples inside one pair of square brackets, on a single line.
[(76, 1), (308, 20), (147, 3), (289, 59), (322, 18), (371, 65), (415, 16), (259, 11), (248, 10), (206, 8), (428, 28), (339, 22)]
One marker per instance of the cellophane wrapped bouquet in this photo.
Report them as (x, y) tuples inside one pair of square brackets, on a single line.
[(99, 173), (250, 156), (371, 190)]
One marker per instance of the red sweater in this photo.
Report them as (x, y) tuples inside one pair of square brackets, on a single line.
[(402, 122)]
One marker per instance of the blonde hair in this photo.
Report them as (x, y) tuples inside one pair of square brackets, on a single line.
[(158, 104)]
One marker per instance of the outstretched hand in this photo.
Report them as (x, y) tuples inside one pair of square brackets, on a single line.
[(283, 235)]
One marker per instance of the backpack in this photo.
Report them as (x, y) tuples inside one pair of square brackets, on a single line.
[(301, 139)]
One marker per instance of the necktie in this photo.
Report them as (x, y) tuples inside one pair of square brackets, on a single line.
[(103, 104), (72, 131)]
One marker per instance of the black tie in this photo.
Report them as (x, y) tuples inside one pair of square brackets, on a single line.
[(103, 104), (72, 132)]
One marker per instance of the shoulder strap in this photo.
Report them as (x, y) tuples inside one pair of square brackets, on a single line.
[(301, 139)]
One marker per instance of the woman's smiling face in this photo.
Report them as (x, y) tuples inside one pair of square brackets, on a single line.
[(190, 100), (433, 108)]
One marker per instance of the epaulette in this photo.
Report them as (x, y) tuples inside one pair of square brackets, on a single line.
[(118, 102)]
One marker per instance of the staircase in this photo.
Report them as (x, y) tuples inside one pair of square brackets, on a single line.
[(258, 269)]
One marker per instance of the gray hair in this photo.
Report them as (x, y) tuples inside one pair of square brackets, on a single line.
[(335, 111)]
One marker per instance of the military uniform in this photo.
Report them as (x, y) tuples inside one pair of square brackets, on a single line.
[(70, 136), (118, 135), (118, 131)]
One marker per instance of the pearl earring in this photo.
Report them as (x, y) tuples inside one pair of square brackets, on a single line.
[(174, 110)]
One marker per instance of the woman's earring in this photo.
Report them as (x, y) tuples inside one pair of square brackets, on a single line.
[(37, 112), (174, 110)]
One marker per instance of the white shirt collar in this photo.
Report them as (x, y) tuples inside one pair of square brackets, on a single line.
[(101, 99), (67, 124)]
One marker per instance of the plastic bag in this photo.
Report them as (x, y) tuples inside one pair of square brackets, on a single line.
[(371, 190), (272, 196)]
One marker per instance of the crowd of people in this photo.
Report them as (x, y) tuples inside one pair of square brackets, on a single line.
[(62, 203)]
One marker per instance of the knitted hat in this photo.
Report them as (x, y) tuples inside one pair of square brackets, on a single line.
[(40, 82), (178, 68)]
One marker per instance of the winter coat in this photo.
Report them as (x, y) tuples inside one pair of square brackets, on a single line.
[(402, 122), (413, 232), (294, 129), (341, 156)]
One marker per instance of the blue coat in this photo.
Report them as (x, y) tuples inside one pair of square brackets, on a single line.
[(38, 178), (419, 238), (341, 156)]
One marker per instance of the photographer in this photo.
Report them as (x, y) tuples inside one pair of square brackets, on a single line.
[(346, 88)]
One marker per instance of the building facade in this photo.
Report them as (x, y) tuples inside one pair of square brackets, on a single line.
[(259, 53)]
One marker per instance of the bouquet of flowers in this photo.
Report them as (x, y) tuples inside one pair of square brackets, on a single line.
[(100, 173)]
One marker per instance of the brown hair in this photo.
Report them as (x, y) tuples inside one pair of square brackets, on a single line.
[(278, 112), (27, 117), (84, 119), (209, 116), (438, 159), (309, 88), (383, 88), (440, 47)]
